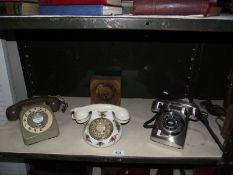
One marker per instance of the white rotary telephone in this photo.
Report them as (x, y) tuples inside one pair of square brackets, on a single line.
[(102, 123)]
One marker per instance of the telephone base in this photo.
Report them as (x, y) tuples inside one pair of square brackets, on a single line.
[(170, 128), (38, 138), (173, 141), (30, 138)]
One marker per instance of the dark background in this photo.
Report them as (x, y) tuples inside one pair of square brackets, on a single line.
[(193, 64)]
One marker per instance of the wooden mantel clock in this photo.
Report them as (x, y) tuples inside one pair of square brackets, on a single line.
[(105, 89)]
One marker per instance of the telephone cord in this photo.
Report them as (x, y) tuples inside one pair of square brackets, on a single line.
[(203, 118), (148, 124)]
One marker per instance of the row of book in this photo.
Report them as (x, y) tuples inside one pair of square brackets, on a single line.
[(61, 7), (109, 7)]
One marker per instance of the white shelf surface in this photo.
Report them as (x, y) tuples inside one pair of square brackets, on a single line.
[(135, 141)]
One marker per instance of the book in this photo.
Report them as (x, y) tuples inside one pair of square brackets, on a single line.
[(34, 1), (81, 2), (127, 6), (18, 8), (84, 10), (171, 7)]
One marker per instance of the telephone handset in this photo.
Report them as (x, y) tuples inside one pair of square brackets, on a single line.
[(54, 102), (171, 121), (36, 116), (102, 123)]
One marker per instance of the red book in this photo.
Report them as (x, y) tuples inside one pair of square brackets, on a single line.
[(81, 2), (171, 7)]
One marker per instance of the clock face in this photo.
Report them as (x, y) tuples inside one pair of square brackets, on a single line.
[(105, 91), (100, 128), (37, 119)]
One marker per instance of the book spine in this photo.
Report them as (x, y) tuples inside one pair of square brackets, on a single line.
[(10, 8), (20, 8), (11, 1), (86, 10), (170, 7), (72, 2)]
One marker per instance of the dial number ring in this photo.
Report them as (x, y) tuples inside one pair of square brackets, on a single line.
[(37, 119), (100, 128)]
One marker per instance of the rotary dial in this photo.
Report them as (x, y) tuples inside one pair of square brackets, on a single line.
[(171, 123), (37, 119), (100, 128)]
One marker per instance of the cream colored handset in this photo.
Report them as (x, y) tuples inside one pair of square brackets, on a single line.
[(102, 123)]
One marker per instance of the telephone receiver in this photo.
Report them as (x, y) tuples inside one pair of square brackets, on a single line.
[(81, 114), (55, 102), (181, 106), (102, 123), (37, 120)]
